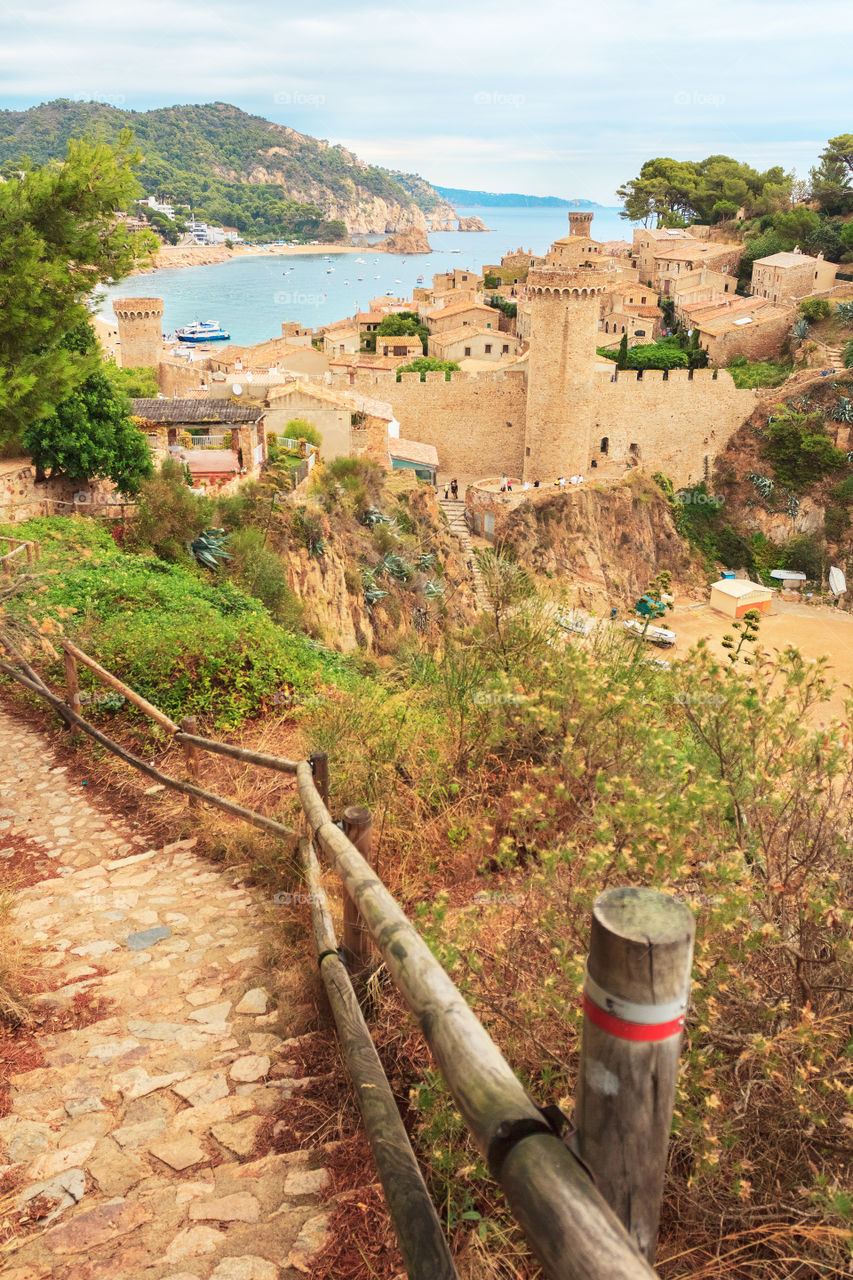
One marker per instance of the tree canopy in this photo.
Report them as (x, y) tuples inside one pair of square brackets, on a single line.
[(832, 178), (90, 434), (59, 238), (670, 192)]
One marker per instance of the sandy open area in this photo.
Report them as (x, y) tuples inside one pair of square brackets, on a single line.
[(817, 631)]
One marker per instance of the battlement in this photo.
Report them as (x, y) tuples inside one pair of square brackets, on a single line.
[(435, 377), (138, 308), (658, 377), (565, 282)]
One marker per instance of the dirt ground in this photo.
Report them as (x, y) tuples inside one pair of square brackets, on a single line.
[(817, 631)]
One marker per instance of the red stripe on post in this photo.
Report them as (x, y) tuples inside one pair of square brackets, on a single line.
[(637, 1031)]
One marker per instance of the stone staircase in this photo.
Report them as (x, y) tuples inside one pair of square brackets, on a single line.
[(454, 512), (834, 359)]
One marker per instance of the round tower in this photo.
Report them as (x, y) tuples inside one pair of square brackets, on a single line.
[(580, 223), (564, 315), (140, 331)]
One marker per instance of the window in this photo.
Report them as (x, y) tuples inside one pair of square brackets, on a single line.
[(605, 443), (488, 324), (488, 348), (639, 333), (467, 351), (505, 349)]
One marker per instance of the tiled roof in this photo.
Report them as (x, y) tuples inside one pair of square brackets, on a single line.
[(413, 451), (458, 308), (195, 411), (468, 331), (729, 323), (785, 260)]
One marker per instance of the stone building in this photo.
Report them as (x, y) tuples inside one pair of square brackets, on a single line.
[(671, 262), (788, 277), (757, 332), (217, 439), (462, 314), (407, 346), (473, 342), (140, 331)]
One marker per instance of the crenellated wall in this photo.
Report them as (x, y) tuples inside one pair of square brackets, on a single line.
[(475, 421)]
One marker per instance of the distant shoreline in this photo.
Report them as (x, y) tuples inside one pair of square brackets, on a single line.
[(173, 257)]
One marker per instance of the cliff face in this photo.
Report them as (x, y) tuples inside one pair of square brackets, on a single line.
[(330, 585), (605, 545), (472, 224), (408, 242)]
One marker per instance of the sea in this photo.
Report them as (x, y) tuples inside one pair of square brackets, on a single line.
[(251, 296)]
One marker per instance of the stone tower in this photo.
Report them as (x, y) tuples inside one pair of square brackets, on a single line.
[(564, 315), (140, 331), (580, 223)]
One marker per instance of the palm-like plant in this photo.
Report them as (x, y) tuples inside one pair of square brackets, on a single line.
[(800, 329), (843, 411), (209, 547), (844, 311)]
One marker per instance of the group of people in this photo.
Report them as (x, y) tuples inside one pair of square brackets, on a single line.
[(506, 485), (561, 481), (451, 487)]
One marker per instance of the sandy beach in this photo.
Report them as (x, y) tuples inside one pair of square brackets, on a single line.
[(170, 257)]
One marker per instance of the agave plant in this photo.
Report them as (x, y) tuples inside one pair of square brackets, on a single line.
[(843, 411), (844, 311), (372, 593), (426, 560), (209, 547), (433, 590), (763, 484), (309, 532), (373, 516), (395, 567), (792, 504), (800, 329)]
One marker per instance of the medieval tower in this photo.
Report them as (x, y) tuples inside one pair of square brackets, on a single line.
[(564, 316), (140, 331), (580, 223)]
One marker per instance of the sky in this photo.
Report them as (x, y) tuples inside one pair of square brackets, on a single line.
[(563, 98)]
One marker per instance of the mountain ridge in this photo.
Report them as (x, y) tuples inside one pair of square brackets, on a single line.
[(510, 199), (233, 168)]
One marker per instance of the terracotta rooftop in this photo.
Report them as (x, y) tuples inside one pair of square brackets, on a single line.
[(731, 323), (468, 331), (459, 308), (702, 250), (413, 451), (186, 410), (342, 397), (786, 260)]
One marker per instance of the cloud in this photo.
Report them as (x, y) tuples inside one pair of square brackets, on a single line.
[(563, 99)]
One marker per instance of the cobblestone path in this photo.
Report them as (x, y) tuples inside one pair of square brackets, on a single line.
[(135, 1143)]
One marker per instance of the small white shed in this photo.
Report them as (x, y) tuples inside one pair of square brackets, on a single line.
[(736, 596)]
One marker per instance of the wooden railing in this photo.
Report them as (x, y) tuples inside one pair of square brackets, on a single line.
[(18, 547), (635, 1001)]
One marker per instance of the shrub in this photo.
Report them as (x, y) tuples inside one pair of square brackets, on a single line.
[(168, 515), (800, 448), (804, 553), (428, 364), (260, 573), (814, 309), (302, 429)]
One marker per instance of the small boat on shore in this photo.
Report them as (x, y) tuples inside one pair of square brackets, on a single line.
[(202, 331)]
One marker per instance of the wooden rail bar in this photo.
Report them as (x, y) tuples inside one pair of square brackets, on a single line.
[(570, 1227), (113, 681), (419, 1233), (189, 724), (227, 806), (358, 826), (259, 758)]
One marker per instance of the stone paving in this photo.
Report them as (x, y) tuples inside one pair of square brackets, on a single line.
[(136, 1141)]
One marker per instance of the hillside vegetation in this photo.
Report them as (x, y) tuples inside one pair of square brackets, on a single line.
[(227, 166)]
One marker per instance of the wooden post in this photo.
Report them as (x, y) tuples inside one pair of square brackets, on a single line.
[(189, 724), (358, 827), (635, 999), (71, 682), (319, 763)]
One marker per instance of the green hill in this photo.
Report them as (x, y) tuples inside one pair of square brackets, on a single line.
[(229, 167)]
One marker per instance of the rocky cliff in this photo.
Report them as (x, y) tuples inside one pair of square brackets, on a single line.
[(407, 242), (604, 545), (473, 223)]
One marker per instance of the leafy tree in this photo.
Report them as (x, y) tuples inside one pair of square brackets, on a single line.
[(404, 324), (805, 554), (302, 429), (668, 192), (428, 364), (138, 384), (622, 357), (832, 179), (796, 226), (169, 516), (800, 448), (510, 309), (90, 434), (59, 238), (724, 211)]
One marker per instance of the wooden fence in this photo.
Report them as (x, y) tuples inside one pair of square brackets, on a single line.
[(635, 998), (19, 550)]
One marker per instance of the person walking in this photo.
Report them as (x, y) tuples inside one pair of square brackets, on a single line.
[(509, 486), (454, 489), (446, 490), (503, 484)]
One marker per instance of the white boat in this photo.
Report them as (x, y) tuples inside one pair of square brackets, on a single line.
[(361, 260), (202, 331), (652, 635)]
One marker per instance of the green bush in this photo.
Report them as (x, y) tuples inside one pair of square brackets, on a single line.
[(813, 309), (800, 448), (257, 569), (302, 429), (764, 373), (169, 516), (428, 364), (805, 553)]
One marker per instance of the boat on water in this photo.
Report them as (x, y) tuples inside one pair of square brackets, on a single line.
[(202, 331), (360, 260), (420, 280)]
